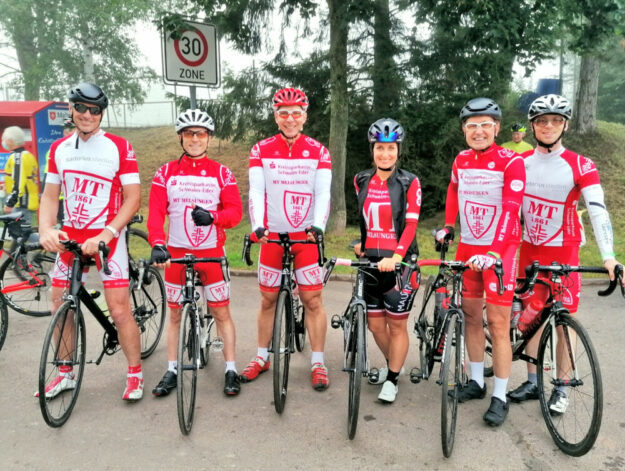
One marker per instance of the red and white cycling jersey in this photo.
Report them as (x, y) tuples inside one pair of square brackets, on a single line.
[(92, 174), (181, 183), (289, 187), (487, 188), (554, 184)]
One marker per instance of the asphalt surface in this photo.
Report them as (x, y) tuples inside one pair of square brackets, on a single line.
[(245, 432)]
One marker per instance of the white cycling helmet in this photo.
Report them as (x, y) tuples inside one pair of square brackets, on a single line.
[(550, 104), (194, 118)]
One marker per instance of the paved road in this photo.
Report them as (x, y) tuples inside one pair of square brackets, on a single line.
[(246, 433)]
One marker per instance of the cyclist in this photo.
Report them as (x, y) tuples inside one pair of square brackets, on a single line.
[(201, 199), (98, 175), (389, 201), (290, 177), (487, 183), (555, 178), (517, 144)]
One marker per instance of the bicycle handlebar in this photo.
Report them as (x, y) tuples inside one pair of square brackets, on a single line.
[(190, 259), (460, 266), (283, 240), (103, 253), (365, 263)]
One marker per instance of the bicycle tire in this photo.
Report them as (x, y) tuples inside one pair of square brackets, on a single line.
[(299, 313), (58, 350), (451, 370), (26, 291), (356, 368), (426, 321), (575, 430), (4, 322), (206, 340), (138, 245), (281, 345), (488, 349), (148, 308), (188, 364)]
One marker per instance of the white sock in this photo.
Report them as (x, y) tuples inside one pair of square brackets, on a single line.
[(172, 366), (316, 357), (231, 366), (263, 353), (477, 372), (500, 387)]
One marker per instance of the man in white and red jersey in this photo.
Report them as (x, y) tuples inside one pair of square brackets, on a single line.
[(486, 188), (201, 199), (97, 172), (556, 177), (290, 176)]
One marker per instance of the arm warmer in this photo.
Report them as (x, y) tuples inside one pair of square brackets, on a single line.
[(323, 184), (257, 197), (600, 219)]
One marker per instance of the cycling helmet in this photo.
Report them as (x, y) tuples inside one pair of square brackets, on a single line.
[(88, 93), (480, 107), (386, 130), (550, 104), (197, 118), (518, 127), (288, 97)]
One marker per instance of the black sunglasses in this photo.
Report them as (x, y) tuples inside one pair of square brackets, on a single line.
[(94, 110)]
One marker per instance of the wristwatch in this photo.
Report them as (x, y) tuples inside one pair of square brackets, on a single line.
[(113, 231)]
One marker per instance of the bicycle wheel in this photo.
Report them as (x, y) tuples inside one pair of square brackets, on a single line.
[(451, 380), (62, 365), (426, 328), (488, 350), (567, 358), (299, 313), (138, 245), (356, 368), (188, 364), (148, 308), (281, 344), (27, 290), (4, 322), (206, 340)]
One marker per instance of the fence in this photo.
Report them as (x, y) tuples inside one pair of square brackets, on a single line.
[(132, 115)]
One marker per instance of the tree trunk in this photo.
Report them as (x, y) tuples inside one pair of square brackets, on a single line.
[(26, 52), (338, 112), (585, 111), (384, 74)]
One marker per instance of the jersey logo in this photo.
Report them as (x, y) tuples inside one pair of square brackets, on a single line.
[(480, 217), (586, 166), (543, 219), (516, 185), (312, 142), (84, 195), (296, 207), (219, 291), (196, 235), (506, 152), (313, 275), (267, 277)]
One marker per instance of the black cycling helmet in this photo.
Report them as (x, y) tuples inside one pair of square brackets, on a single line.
[(480, 107), (88, 93), (518, 127), (386, 130)]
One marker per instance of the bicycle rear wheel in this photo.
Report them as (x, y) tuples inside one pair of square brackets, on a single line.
[(281, 344), (206, 339), (451, 380), (26, 290), (62, 365), (188, 364), (426, 328), (356, 368), (138, 245), (567, 359), (4, 322), (488, 351), (148, 308), (299, 313)]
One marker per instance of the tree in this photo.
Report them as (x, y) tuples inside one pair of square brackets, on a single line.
[(611, 96)]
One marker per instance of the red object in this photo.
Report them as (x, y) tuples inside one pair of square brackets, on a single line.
[(530, 315)]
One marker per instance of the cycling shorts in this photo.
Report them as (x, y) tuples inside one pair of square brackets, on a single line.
[(308, 273), (475, 283), (568, 255), (216, 289), (382, 296), (117, 260)]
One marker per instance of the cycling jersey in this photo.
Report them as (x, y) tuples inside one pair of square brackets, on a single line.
[(27, 173), (518, 147), (289, 186), (91, 174), (181, 183), (487, 189)]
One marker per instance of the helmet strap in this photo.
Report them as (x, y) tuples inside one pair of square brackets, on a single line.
[(290, 140), (548, 146), (390, 169)]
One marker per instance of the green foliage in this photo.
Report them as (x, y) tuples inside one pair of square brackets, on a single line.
[(611, 97)]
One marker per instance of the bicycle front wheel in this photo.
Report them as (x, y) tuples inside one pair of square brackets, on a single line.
[(281, 344), (148, 309), (569, 385), (356, 368), (4, 322), (62, 365), (299, 313), (451, 380), (188, 364)]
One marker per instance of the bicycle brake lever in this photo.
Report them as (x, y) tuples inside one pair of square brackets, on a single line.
[(103, 253), (499, 274), (224, 270), (398, 276), (245, 255)]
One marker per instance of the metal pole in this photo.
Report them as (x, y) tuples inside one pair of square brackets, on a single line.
[(192, 101)]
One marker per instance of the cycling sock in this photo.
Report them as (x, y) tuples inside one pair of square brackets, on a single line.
[(533, 378), (66, 371), (392, 376), (135, 371), (231, 366), (563, 389), (316, 357), (500, 387), (172, 366), (477, 372), (263, 353)]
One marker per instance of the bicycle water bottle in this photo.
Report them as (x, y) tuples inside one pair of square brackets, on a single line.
[(517, 310), (100, 300), (530, 315)]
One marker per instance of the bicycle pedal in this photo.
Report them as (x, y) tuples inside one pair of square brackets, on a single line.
[(374, 375), (217, 344), (416, 375), (336, 321)]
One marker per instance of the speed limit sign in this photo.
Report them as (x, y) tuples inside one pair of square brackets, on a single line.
[(192, 58)]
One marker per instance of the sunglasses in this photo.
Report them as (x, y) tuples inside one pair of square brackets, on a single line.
[(94, 110), (542, 122), (191, 134), (284, 114), (485, 125)]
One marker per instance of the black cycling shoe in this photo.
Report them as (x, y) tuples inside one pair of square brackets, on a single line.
[(167, 384), (471, 390), (233, 383), (496, 413), (527, 391)]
